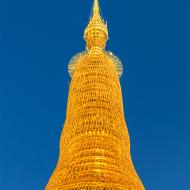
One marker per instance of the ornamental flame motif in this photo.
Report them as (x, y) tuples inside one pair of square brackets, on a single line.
[(95, 145)]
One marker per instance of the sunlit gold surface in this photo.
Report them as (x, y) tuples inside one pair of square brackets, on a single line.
[(94, 145)]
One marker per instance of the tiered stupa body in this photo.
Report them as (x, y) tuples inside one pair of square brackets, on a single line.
[(94, 145)]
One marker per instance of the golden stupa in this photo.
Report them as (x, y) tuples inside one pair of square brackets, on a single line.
[(95, 145)]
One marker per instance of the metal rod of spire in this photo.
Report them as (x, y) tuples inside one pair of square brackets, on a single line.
[(96, 6)]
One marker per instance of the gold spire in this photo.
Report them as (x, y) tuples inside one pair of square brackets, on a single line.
[(95, 144), (96, 33), (96, 6)]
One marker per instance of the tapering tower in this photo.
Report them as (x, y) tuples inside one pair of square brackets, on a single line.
[(95, 145)]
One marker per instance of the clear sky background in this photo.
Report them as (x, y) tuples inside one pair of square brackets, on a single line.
[(38, 39)]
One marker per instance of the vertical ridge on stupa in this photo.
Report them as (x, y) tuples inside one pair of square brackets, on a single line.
[(95, 144)]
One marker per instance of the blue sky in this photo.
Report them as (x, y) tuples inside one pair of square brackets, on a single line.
[(38, 39)]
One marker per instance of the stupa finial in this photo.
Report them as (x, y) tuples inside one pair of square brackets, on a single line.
[(96, 9), (96, 33)]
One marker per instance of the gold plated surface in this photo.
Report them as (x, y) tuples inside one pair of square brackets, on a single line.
[(95, 145)]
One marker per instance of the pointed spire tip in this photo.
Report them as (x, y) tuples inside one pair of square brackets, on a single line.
[(96, 33), (96, 6)]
